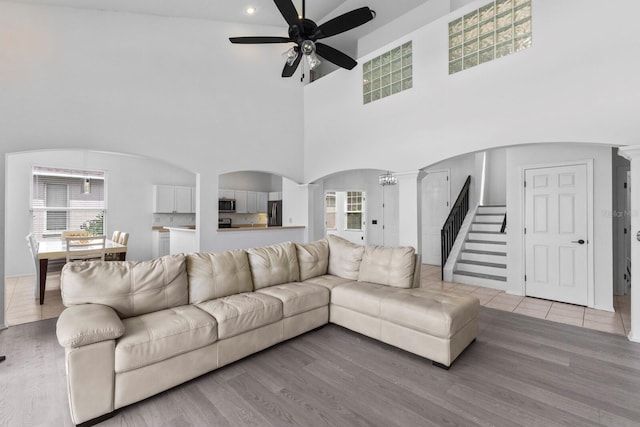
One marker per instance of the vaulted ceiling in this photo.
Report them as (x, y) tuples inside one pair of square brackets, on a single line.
[(266, 13)]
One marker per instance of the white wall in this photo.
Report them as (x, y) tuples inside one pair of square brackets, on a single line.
[(602, 241), (167, 88), (461, 167), (250, 180), (572, 85), (129, 181), (496, 177), (410, 21)]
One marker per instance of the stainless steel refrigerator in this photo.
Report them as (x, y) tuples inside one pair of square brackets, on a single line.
[(275, 213)]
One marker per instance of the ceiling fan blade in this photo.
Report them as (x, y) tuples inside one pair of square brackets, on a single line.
[(288, 70), (288, 11), (335, 56), (345, 22), (259, 40)]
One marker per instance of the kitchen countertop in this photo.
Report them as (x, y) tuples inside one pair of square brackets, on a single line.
[(181, 228), (263, 228)]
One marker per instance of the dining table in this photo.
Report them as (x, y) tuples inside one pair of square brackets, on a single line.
[(56, 249)]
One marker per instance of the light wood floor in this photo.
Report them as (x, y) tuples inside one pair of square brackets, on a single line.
[(521, 371), (22, 307)]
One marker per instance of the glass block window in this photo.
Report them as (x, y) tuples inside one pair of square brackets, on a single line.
[(387, 74), (495, 30)]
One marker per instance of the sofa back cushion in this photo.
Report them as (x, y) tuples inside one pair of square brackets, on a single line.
[(217, 275), (344, 258), (391, 266), (131, 288), (313, 258), (274, 265)]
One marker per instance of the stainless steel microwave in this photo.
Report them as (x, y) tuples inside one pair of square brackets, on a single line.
[(226, 205)]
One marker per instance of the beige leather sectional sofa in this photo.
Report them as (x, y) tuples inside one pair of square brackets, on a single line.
[(134, 329)]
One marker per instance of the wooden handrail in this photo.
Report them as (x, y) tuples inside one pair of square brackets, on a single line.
[(453, 223)]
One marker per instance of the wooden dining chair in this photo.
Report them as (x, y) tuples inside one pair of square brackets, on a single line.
[(86, 248), (124, 238), (73, 233)]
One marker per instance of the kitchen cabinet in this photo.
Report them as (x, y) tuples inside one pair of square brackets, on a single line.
[(241, 201), (262, 203), (161, 244), (252, 202), (226, 194), (275, 195), (172, 199)]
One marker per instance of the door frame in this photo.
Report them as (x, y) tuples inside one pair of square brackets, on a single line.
[(590, 253), (364, 211), (427, 173)]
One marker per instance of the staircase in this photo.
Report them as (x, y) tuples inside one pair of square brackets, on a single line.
[(483, 259)]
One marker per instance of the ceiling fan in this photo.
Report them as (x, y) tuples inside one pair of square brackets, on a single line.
[(305, 33)]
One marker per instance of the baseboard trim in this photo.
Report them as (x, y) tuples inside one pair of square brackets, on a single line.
[(633, 338)]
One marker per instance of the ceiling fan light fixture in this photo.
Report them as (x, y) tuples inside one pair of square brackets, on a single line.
[(313, 61), (291, 55)]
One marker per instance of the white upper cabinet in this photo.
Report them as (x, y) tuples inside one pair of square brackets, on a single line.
[(252, 202), (275, 195), (262, 204), (241, 201), (226, 194), (183, 203), (172, 199)]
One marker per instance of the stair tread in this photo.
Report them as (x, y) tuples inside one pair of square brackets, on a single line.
[(492, 206), (489, 214), (480, 275), (491, 242), (494, 223), (483, 263), (485, 232), (474, 251)]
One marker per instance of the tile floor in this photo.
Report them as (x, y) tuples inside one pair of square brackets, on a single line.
[(22, 307), (616, 323)]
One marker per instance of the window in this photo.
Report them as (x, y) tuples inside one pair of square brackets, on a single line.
[(63, 199), (387, 74), (353, 210), (330, 210), (497, 29)]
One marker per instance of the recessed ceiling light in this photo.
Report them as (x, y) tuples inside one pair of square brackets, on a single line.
[(250, 10)]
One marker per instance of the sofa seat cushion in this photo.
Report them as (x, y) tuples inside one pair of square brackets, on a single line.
[(131, 288), (157, 336), (329, 281), (362, 297), (344, 257), (388, 266), (298, 297), (216, 275), (240, 313), (313, 258), (433, 312)]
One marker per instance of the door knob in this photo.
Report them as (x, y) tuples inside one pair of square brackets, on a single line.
[(581, 242)]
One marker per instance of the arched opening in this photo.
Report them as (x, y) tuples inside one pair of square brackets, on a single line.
[(128, 206)]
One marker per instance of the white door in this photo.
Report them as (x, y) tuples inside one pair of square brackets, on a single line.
[(435, 209), (390, 236), (556, 221)]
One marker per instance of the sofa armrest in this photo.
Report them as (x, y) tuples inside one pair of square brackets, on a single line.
[(85, 324)]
